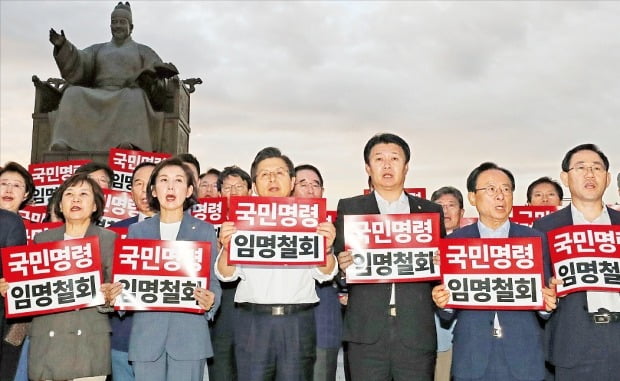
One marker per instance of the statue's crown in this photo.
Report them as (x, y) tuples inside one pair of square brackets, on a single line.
[(125, 6), (123, 10)]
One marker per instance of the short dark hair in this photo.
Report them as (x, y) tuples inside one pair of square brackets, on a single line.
[(618, 180), (76, 179), (472, 179), (268, 153), (310, 167), (448, 190), (189, 177), (234, 171), (386, 138), (93, 166), (51, 208), (544, 180), (189, 158), (583, 147), (140, 166), (211, 171), (12, 166)]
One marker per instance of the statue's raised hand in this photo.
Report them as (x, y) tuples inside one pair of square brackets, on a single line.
[(57, 39)]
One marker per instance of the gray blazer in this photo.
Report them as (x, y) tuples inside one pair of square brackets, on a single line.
[(183, 335), (72, 344)]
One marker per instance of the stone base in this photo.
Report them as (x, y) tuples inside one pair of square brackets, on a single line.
[(97, 156)]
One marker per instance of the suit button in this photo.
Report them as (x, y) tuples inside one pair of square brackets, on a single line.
[(51, 333), (79, 332)]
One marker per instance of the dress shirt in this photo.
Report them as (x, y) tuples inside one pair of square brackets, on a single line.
[(597, 299), (276, 284), (501, 232), (400, 206)]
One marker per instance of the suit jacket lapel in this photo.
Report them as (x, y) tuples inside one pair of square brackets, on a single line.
[(414, 206), (370, 204), (185, 229)]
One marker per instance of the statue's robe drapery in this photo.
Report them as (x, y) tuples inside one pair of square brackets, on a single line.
[(103, 106)]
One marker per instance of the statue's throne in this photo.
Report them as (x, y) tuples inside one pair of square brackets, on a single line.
[(172, 137)]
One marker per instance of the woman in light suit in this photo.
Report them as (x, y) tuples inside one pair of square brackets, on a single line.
[(173, 346), (75, 344)]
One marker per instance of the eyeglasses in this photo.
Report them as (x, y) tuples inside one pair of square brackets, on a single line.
[(305, 185), (278, 173), (581, 168), (236, 187), (12, 185), (450, 206), (491, 190)]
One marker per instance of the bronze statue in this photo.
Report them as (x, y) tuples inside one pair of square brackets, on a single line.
[(114, 91)]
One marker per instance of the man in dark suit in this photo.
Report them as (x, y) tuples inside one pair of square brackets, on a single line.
[(12, 233), (582, 346), (121, 326), (496, 345), (389, 327)]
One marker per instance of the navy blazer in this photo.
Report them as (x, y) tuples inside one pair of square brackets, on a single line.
[(571, 335), (522, 341), (12, 233), (125, 223), (366, 316), (183, 335)]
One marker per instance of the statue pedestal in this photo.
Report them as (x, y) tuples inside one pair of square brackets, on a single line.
[(172, 137)]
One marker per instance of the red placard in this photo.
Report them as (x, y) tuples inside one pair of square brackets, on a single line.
[(123, 162), (118, 206), (49, 176), (33, 213), (161, 275), (277, 231), (392, 247), (586, 257), (52, 277), (527, 214), (493, 273), (33, 229), (211, 209)]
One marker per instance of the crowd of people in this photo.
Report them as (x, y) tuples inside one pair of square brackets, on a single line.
[(290, 322)]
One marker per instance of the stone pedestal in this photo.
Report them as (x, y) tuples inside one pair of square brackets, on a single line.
[(172, 137)]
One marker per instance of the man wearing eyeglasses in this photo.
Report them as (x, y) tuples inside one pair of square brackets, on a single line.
[(328, 314), (232, 181), (584, 331), (275, 334), (207, 184), (492, 345), (389, 327), (99, 172)]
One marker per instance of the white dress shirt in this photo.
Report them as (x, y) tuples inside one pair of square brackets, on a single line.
[(400, 206), (276, 284)]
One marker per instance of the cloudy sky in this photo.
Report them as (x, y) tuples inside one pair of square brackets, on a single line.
[(517, 83)]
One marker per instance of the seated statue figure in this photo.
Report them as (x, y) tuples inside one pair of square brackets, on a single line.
[(114, 89)]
